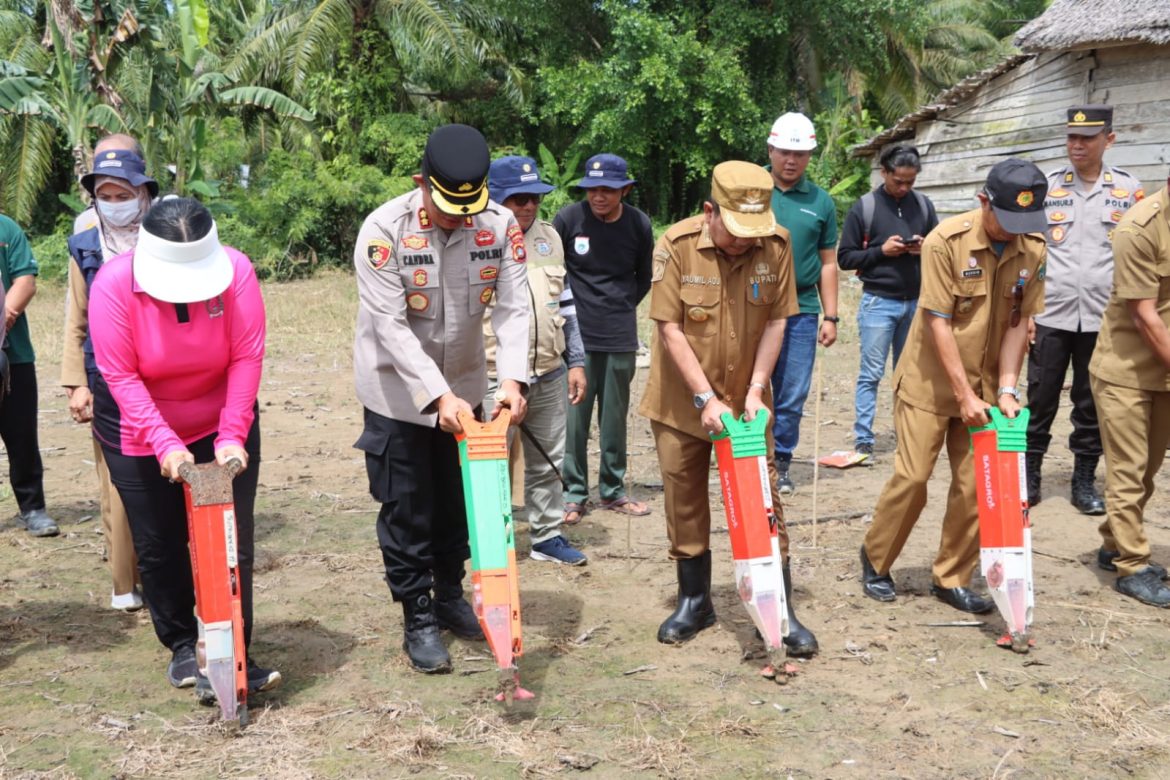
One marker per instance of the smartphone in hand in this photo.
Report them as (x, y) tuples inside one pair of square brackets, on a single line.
[(910, 241)]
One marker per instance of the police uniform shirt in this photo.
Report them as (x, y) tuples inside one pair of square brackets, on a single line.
[(964, 281), (722, 305), (1141, 251), (1080, 258), (422, 295)]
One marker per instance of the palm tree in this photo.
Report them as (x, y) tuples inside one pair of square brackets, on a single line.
[(458, 41)]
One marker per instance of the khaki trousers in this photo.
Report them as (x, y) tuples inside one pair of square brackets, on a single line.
[(921, 435), (116, 528), (1135, 429), (685, 462)]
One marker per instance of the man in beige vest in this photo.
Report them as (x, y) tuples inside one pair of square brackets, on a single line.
[(556, 358)]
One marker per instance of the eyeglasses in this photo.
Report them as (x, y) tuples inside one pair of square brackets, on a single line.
[(1017, 301), (523, 200)]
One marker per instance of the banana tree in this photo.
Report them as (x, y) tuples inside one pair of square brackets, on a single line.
[(44, 93)]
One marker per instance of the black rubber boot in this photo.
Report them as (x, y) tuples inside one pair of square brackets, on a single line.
[(421, 642), (695, 610), (452, 610), (1085, 498), (800, 641), (1032, 463)]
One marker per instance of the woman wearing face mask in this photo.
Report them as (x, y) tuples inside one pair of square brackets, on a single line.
[(122, 194)]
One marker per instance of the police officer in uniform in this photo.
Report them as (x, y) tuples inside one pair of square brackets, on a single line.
[(1130, 375), (1086, 199), (982, 277), (427, 265), (722, 289)]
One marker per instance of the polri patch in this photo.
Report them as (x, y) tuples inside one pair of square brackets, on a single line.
[(415, 242), (418, 301), (486, 295), (419, 277), (378, 253), (485, 238), (488, 273)]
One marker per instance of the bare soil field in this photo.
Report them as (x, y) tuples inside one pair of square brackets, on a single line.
[(892, 693)]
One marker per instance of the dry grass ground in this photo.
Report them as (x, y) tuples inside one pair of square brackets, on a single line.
[(82, 692)]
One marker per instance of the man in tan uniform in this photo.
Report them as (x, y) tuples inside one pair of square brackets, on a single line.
[(1130, 375), (722, 289), (982, 278)]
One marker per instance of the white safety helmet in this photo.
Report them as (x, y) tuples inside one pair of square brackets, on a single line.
[(794, 132)]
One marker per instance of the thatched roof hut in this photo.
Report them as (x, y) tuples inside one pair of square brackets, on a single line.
[(1078, 51)]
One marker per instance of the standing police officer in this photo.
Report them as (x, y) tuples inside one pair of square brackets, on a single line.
[(1086, 199), (427, 264)]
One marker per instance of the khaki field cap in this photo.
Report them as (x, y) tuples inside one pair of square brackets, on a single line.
[(744, 194)]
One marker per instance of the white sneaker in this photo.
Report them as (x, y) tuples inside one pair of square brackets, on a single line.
[(127, 602)]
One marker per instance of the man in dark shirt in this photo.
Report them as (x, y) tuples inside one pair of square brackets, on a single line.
[(608, 245), (882, 242)]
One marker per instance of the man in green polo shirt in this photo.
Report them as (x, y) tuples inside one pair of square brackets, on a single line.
[(810, 216), (18, 415)]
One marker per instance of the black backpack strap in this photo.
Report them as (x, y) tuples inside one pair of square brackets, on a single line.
[(867, 206)]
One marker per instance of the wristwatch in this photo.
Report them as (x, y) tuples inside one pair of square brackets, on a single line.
[(701, 399), (833, 320), (1013, 392)]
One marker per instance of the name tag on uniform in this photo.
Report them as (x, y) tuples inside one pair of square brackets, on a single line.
[(972, 273)]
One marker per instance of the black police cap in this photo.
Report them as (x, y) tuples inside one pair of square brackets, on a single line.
[(1089, 119), (455, 167)]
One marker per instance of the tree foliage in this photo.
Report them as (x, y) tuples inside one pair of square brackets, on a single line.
[(293, 118)]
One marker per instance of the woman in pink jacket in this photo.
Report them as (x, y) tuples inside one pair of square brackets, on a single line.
[(178, 331)]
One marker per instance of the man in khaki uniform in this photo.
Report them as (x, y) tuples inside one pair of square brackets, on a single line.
[(1130, 375), (427, 263), (556, 360), (982, 277), (722, 289), (1086, 199)]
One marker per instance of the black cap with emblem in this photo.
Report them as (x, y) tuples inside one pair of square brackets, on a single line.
[(455, 168), (1090, 119), (1016, 189)]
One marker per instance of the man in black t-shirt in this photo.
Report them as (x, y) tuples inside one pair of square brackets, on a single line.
[(608, 245), (882, 242)]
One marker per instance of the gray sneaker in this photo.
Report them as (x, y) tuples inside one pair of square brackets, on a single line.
[(38, 523), (183, 668)]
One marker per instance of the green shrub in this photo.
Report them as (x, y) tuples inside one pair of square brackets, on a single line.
[(52, 251), (300, 213)]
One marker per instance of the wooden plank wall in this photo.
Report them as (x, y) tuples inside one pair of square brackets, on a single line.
[(1022, 113)]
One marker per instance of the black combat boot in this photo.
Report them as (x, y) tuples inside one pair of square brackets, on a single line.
[(1085, 498), (1032, 463), (452, 610), (421, 642), (695, 610), (800, 641)]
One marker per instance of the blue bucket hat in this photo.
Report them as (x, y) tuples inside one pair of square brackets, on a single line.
[(515, 175), (605, 170), (120, 164)]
